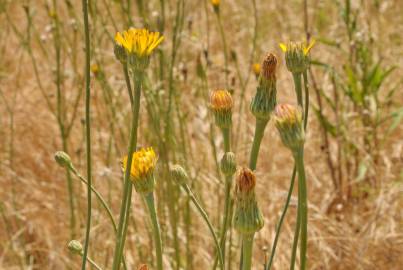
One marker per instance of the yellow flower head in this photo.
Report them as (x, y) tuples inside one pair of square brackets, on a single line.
[(256, 69), (297, 55), (95, 69), (143, 164), (215, 3), (140, 42), (221, 100)]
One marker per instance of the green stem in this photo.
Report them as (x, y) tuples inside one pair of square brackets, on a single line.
[(306, 91), (247, 247), (304, 206), (280, 223), (207, 220), (97, 267), (257, 140), (87, 129), (127, 189), (149, 198), (298, 88), (227, 139), (296, 233)]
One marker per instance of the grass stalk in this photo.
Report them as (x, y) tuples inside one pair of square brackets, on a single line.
[(87, 129)]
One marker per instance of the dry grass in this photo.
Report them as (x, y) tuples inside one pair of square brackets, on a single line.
[(360, 234)]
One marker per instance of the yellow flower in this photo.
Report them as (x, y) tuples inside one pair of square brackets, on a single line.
[(256, 69), (221, 100), (143, 164), (95, 69), (215, 2), (297, 46), (140, 42)]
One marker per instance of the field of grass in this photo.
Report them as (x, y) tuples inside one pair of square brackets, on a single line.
[(59, 93)]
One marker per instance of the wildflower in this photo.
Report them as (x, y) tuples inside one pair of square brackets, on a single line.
[(95, 69), (140, 42), (297, 55), (178, 174), (264, 100), (142, 168), (63, 159), (216, 5), (256, 69), (75, 247), (228, 164), (248, 218), (221, 104), (288, 120)]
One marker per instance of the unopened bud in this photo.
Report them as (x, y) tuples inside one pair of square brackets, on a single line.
[(221, 104), (216, 5), (178, 174), (288, 120), (228, 164), (63, 159), (247, 218), (120, 53), (75, 247), (264, 101)]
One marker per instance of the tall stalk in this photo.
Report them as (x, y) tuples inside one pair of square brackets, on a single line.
[(149, 198), (247, 248), (127, 188), (87, 129)]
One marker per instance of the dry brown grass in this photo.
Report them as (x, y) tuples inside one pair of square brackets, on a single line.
[(363, 234)]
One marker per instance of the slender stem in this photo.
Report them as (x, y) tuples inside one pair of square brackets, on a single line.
[(296, 234), (306, 92), (127, 189), (247, 247), (87, 129), (97, 267), (280, 223), (304, 206), (207, 220), (298, 88), (227, 139), (257, 140), (224, 42), (149, 198), (128, 86)]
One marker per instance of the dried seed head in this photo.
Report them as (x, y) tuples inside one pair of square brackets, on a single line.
[(288, 120), (269, 67), (246, 180), (178, 174), (228, 164), (143, 267), (75, 247), (63, 159), (221, 104)]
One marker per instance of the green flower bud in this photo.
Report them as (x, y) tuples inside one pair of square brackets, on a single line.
[(264, 101), (288, 120), (75, 247), (178, 174), (63, 159), (228, 164), (297, 56), (247, 217), (120, 53), (221, 104)]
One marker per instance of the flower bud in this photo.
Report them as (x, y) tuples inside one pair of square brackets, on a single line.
[(297, 56), (288, 120), (95, 69), (264, 100), (228, 164), (142, 170), (120, 53), (63, 159), (178, 174), (221, 104), (75, 247), (216, 5), (256, 69), (247, 217)]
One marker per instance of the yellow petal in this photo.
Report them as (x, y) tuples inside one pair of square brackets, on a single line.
[(283, 47), (307, 49)]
